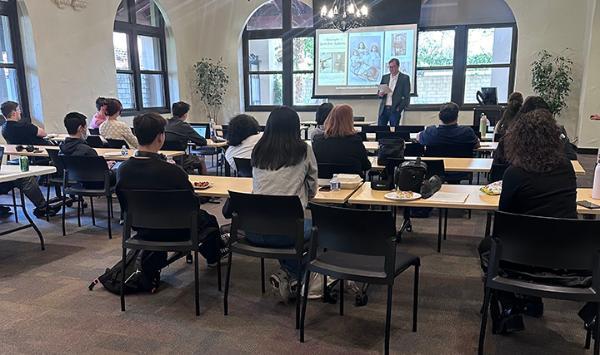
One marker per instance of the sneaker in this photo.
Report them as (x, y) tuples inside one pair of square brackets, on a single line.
[(224, 251), (5, 211), (280, 283), (47, 211)]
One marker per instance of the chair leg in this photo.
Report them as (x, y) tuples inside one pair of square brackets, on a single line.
[(341, 297), (219, 266), (597, 331), (588, 339), (441, 217), (415, 298), (262, 275), (92, 209), (227, 278), (298, 291), (304, 303), (47, 196), (196, 284), (124, 256), (388, 319), (445, 223), (109, 202), (486, 307), (324, 289), (64, 206), (79, 211), (15, 205)]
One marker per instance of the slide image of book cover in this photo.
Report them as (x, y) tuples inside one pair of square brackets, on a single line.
[(332, 59), (401, 45), (365, 64)]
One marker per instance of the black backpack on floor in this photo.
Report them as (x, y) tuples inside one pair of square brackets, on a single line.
[(142, 273)]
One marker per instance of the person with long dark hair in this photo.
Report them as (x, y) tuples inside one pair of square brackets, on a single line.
[(283, 164), (242, 136), (515, 101), (540, 181), (321, 115)]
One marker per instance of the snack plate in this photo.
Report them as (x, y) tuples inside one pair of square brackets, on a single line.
[(395, 197), (203, 188)]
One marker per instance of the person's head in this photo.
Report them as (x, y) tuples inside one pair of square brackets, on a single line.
[(280, 145), (322, 113), (515, 102), (449, 113), (362, 45), (100, 103), (340, 122), (394, 66), (11, 111), (533, 143), (533, 103), (150, 131), (180, 110), (76, 125), (113, 108), (375, 48), (241, 127)]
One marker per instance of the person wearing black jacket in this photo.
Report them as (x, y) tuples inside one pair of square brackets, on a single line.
[(149, 170), (339, 144), (75, 144), (179, 133)]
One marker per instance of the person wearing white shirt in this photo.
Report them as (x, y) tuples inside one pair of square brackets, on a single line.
[(394, 101), (242, 136)]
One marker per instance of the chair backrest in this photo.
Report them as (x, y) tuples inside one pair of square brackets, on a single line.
[(174, 141), (460, 150), (326, 171), (358, 118), (353, 231), (395, 135), (56, 161), (94, 131), (409, 129), (476, 131), (435, 167), (160, 209), (116, 143), (84, 169), (267, 215), (414, 150), (362, 135), (95, 141), (553, 243), (375, 129), (497, 137), (243, 167)]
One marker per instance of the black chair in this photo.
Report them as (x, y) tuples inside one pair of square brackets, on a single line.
[(87, 176), (94, 131), (497, 137), (497, 172), (435, 167), (116, 143), (266, 215), (460, 150), (409, 129), (358, 118), (413, 149), (375, 129), (326, 171), (55, 179), (362, 135), (549, 243), (162, 210), (392, 135), (243, 167), (95, 142), (357, 245)]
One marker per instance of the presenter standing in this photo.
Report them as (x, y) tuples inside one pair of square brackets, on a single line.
[(394, 92)]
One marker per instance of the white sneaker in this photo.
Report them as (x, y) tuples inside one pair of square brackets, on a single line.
[(280, 283)]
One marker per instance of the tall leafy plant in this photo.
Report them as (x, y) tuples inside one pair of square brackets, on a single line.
[(552, 76), (211, 84)]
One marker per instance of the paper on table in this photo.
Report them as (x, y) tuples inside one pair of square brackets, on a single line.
[(449, 197), (384, 88)]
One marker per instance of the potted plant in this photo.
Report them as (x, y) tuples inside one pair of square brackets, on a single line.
[(211, 84), (552, 78)]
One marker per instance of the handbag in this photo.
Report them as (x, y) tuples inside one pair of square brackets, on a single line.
[(390, 148), (431, 186), (410, 175)]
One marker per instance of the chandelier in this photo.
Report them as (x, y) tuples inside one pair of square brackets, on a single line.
[(344, 15)]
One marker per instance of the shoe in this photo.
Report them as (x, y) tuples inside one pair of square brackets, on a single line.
[(280, 283), (48, 211), (508, 323), (224, 258), (5, 211)]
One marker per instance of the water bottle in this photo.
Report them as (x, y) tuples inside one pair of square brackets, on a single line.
[(483, 124), (212, 129), (596, 184), (124, 151), (334, 183)]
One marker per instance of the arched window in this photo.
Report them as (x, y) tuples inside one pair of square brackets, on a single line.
[(455, 61), (12, 80), (278, 50), (140, 57)]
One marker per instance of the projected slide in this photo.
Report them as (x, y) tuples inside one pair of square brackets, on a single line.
[(353, 63)]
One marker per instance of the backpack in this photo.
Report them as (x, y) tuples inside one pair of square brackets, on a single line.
[(390, 148), (142, 273), (410, 175)]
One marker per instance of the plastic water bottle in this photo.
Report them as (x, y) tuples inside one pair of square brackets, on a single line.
[(596, 184), (212, 129), (124, 151), (334, 183), (483, 125)]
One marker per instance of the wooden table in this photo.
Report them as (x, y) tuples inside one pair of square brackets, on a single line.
[(107, 153), (585, 194), (13, 172), (487, 147), (356, 123), (222, 184)]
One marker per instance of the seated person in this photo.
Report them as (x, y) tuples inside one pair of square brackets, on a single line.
[(283, 164), (448, 132), (112, 128), (339, 144), (31, 189), (17, 131), (540, 181), (242, 136), (179, 133), (100, 115), (321, 115), (149, 170)]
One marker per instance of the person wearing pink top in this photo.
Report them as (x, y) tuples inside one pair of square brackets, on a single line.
[(100, 116)]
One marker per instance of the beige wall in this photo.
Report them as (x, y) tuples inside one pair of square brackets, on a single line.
[(74, 62)]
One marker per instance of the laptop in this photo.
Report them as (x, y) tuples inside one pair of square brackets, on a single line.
[(201, 129), (1, 155)]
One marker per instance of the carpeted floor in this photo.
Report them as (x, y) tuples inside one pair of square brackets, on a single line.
[(45, 306)]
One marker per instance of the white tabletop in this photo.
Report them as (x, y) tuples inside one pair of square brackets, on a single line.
[(13, 172)]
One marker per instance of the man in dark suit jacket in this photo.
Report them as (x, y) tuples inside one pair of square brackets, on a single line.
[(392, 105)]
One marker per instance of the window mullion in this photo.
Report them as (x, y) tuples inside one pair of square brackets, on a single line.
[(287, 54), (460, 63), (135, 66)]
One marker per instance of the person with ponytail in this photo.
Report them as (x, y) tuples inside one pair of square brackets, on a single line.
[(515, 101)]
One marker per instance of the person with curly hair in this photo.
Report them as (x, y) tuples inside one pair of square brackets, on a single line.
[(242, 136), (540, 181)]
